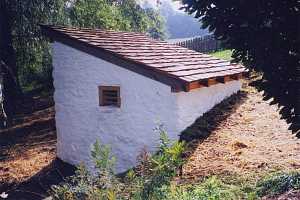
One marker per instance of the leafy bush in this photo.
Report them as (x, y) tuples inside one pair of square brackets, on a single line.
[(211, 189), (147, 182), (162, 166), (214, 189), (84, 185), (278, 183)]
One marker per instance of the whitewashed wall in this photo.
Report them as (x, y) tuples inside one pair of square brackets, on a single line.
[(144, 104), (80, 120), (193, 104)]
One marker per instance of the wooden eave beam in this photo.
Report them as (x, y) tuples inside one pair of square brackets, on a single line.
[(193, 85), (237, 76), (224, 79), (212, 81), (209, 82), (200, 84)]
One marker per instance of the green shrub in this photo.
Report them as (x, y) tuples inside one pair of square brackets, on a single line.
[(83, 185), (211, 189), (162, 166), (155, 174), (278, 183), (214, 189)]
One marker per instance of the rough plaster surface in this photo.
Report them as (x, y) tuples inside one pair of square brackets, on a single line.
[(144, 104), (193, 104)]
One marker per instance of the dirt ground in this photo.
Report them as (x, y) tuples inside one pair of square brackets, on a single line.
[(246, 136), (30, 144), (250, 139), (28, 163)]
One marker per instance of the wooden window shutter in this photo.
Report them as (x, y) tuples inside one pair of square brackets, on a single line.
[(109, 96)]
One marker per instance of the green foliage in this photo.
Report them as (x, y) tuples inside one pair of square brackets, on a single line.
[(156, 24), (149, 183), (102, 157), (102, 185), (224, 54), (210, 189), (116, 15), (145, 20), (33, 54), (32, 50), (278, 183), (214, 189), (135, 15), (163, 166), (264, 38), (97, 14)]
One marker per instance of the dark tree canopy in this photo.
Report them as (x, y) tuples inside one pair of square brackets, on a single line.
[(25, 56), (265, 37)]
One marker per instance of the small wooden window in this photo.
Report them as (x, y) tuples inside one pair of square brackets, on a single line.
[(109, 96)]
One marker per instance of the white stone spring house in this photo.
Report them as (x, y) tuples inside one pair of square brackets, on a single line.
[(118, 86)]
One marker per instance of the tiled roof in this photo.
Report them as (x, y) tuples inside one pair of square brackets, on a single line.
[(178, 65)]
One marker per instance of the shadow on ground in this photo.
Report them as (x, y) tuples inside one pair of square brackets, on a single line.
[(38, 186), (28, 166), (210, 121)]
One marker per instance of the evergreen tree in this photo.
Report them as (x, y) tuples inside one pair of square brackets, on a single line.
[(265, 37)]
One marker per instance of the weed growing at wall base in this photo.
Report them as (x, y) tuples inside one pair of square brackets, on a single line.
[(146, 182), (153, 179)]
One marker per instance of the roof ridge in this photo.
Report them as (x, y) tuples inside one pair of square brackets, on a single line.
[(91, 29)]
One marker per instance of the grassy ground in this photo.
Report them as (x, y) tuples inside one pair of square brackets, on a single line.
[(224, 54)]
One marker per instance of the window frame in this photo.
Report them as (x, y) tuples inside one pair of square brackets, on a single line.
[(102, 99)]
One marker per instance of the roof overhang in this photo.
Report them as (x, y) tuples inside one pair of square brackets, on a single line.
[(176, 84)]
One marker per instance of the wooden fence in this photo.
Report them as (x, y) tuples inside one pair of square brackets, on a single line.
[(203, 44)]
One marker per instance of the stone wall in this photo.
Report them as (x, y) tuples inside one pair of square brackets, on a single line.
[(145, 103)]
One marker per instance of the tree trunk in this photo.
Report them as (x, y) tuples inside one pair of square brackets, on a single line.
[(2, 112), (10, 87)]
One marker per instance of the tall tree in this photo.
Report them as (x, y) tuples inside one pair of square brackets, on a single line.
[(265, 37), (32, 49), (8, 68), (125, 15), (157, 25), (135, 14), (97, 14), (24, 52)]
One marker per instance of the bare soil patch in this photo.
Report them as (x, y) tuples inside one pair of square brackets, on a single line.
[(250, 139), (29, 145), (28, 164), (290, 195)]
